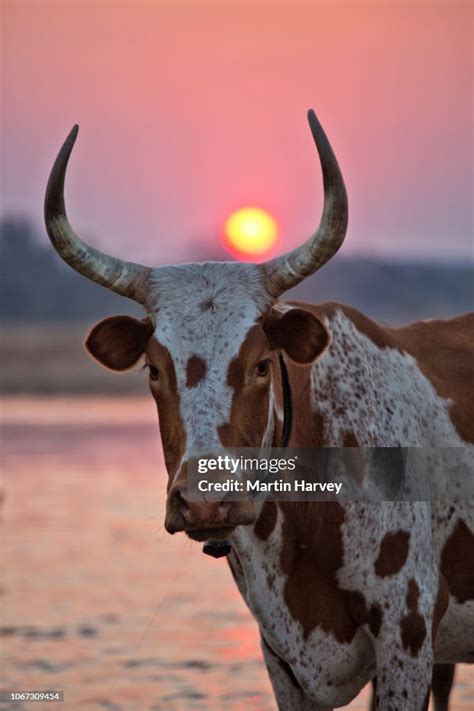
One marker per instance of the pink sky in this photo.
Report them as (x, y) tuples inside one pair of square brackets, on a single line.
[(190, 110)]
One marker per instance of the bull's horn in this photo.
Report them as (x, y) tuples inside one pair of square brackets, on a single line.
[(126, 278), (288, 270)]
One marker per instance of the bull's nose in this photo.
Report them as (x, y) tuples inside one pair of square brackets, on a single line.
[(199, 514), (205, 519)]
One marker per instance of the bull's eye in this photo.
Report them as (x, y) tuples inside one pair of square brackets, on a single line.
[(153, 372), (263, 366)]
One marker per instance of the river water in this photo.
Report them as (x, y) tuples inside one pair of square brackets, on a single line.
[(98, 601)]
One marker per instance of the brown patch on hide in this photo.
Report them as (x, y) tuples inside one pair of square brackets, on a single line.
[(457, 562), (441, 605), (375, 619), (266, 522), (349, 440), (312, 553), (165, 393), (308, 425), (412, 626), (393, 553), (196, 369), (413, 632), (250, 399), (413, 594)]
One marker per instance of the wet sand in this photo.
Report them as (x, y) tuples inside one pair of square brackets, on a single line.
[(97, 599)]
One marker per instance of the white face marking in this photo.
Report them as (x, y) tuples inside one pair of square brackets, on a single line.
[(206, 310)]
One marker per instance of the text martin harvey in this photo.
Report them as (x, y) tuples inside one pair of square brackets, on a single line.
[(296, 486)]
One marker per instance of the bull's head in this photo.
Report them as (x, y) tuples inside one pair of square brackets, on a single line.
[(210, 339)]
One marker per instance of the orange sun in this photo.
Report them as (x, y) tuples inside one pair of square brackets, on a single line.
[(250, 233)]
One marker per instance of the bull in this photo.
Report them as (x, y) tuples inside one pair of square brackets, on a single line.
[(342, 594)]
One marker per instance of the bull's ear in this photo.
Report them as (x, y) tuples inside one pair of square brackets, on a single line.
[(301, 334), (119, 341)]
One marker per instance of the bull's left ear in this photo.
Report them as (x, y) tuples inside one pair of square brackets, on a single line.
[(301, 334), (119, 341)]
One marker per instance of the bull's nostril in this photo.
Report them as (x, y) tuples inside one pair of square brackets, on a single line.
[(181, 503), (224, 507)]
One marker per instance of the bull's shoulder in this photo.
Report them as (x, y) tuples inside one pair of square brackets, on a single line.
[(442, 348)]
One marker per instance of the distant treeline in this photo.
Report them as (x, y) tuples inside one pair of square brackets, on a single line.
[(35, 285)]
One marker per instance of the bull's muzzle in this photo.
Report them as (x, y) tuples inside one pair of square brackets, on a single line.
[(202, 520)]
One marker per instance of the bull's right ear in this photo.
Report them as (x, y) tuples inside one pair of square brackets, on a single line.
[(119, 341)]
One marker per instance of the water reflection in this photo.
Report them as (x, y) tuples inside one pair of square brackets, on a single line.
[(98, 600)]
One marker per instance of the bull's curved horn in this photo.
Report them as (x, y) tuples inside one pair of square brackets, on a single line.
[(126, 278), (288, 270)]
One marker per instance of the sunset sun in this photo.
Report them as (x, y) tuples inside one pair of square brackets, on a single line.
[(250, 232)]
